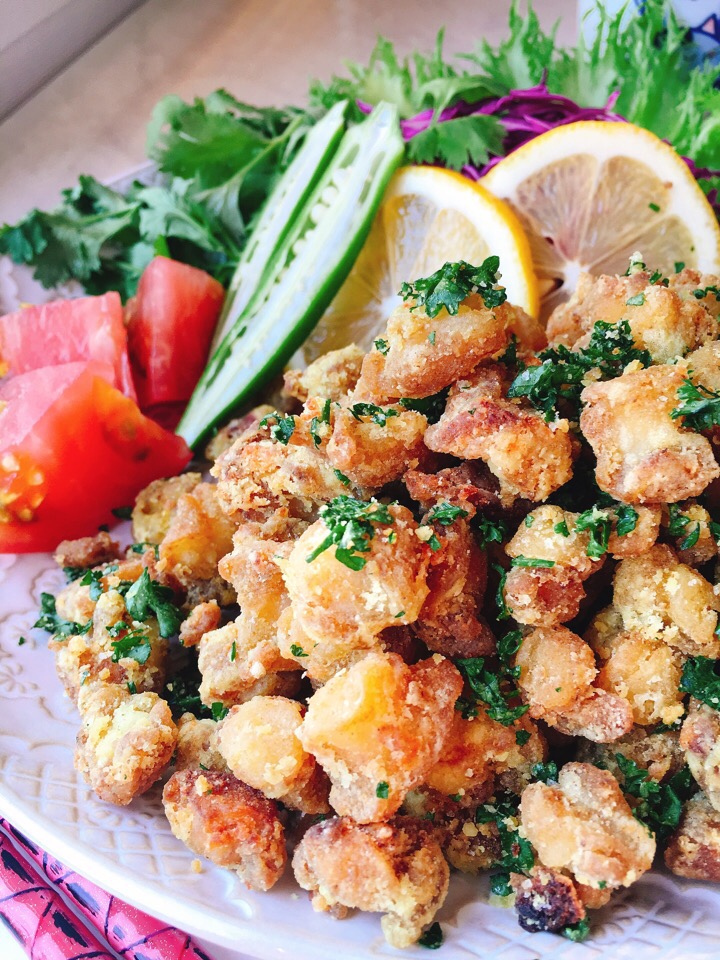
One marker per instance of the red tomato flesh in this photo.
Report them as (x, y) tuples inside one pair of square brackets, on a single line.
[(72, 447), (63, 331), (170, 326)]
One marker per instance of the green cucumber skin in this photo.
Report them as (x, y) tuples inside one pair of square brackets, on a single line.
[(296, 185), (276, 337)]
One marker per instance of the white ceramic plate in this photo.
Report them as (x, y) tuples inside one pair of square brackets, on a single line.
[(131, 852)]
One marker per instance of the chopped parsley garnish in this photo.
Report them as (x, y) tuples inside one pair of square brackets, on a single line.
[(453, 283), (382, 346), (401, 614), (135, 645), (660, 804), (509, 644), (122, 513), (510, 357), (561, 374), (627, 518), (351, 527), (345, 481), (73, 573), (678, 527), (282, 429), (679, 265), (655, 207), (144, 545), (233, 652), (431, 337), (297, 651), (637, 301), (700, 680), (324, 418), (445, 514), (522, 737), (577, 932), (146, 598), (51, 620), (702, 292), (545, 771), (597, 523), (182, 692), (517, 852), (521, 561), (490, 531), (714, 528), (382, 790), (529, 520), (132, 687), (699, 407), (431, 407), (93, 579), (21, 641), (376, 414), (495, 690), (504, 610), (562, 528), (218, 711), (432, 938)]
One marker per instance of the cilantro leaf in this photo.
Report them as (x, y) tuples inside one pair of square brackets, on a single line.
[(147, 598), (351, 527), (700, 407), (431, 407), (134, 645), (458, 142), (490, 531), (700, 680), (449, 286), (373, 412), (51, 620)]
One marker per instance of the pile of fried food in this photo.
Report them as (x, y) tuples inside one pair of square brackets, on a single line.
[(478, 619)]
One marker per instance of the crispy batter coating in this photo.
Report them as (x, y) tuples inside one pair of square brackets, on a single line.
[(378, 727), (643, 455), (557, 679), (700, 739), (666, 323), (84, 658), (477, 751), (693, 851), (203, 618), (396, 868), (199, 534), (546, 900), (259, 742), (337, 613), (703, 365), (333, 375), (242, 427), (688, 281), (425, 354), (125, 742), (530, 458), (660, 597), (640, 539), (658, 753), (450, 621), (372, 455), (696, 544), (551, 595), (584, 825), (228, 822), (87, 551), (155, 505), (197, 745), (470, 486)]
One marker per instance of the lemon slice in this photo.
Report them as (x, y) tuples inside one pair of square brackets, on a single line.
[(428, 216), (591, 193)]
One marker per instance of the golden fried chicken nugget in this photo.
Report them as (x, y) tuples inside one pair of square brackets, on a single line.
[(241, 428), (396, 868), (688, 283), (337, 613), (694, 543), (155, 506), (583, 825), (662, 320), (197, 747), (703, 365), (638, 540), (423, 354), (259, 742), (203, 618), (693, 851), (700, 739), (333, 375), (378, 727), (126, 740), (660, 597), (643, 455), (87, 551), (658, 753), (530, 458), (228, 822), (372, 454)]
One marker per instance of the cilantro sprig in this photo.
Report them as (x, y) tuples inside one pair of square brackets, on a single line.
[(351, 527), (699, 406), (453, 283)]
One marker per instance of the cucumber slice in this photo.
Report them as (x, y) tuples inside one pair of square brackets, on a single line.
[(254, 269), (310, 266)]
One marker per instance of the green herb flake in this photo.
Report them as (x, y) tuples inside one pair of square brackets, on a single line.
[(562, 528), (681, 526), (281, 429), (627, 518), (699, 407), (52, 622), (233, 652), (218, 711), (490, 531), (637, 301), (522, 737), (370, 411), (382, 346), (73, 573), (146, 597), (382, 790), (577, 932), (453, 283), (703, 292), (660, 804), (433, 937), (494, 689), (315, 423), (135, 645), (297, 651), (93, 579), (655, 207), (345, 481), (431, 407), (445, 514), (504, 611), (21, 641), (700, 680), (431, 337), (401, 614), (351, 527), (521, 561), (529, 520), (679, 266), (546, 772)]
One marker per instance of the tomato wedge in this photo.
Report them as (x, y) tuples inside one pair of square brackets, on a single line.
[(72, 447), (170, 325), (63, 331)]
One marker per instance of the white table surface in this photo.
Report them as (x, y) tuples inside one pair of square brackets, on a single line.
[(91, 118)]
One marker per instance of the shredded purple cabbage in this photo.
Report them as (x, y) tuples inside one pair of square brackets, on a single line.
[(526, 114)]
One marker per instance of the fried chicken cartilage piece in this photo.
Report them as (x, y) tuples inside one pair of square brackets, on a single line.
[(378, 727), (259, 742), (396, 868), (338, 613), (700, 739), (530, 458), (583, 825), (643, 455), (663, 320), (234, 826), (693, 851), (557, 679), (126, 740)]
